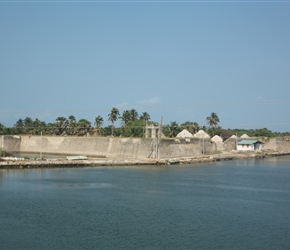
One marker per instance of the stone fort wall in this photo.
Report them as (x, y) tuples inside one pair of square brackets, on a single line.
[(130, 148)]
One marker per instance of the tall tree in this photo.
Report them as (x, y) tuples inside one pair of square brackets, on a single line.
[(145, 116), (213, 121), (133, 115), (38, 126), (61, 125), (28, 124), (84, 127), (126, 117), (19, 126), (112, 117), (72, 123), (2, 129), (172, 129), (99, 123), (191, 127), (195, 127)]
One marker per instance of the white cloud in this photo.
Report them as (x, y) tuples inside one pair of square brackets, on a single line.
[(123, 105), (153, 100)]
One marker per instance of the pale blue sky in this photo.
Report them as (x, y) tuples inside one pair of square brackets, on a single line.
[(176, 60)]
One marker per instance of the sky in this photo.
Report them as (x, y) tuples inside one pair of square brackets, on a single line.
[(177, 60)]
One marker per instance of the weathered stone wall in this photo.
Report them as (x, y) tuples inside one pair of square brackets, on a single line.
[(132, 148), (91, 146), (230, 145), (184, 147), (279, 144), (10, 143), (125, 148)]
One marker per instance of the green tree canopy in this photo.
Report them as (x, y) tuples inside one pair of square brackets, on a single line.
[(113, 117), (213, 121)]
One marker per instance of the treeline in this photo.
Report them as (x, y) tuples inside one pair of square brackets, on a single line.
[(132, 125)]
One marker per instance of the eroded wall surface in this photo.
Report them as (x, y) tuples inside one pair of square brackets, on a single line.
[(131, 148)]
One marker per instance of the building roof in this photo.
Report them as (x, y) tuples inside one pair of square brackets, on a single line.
[(201, 134), (216, 138), (245, 136), (248, 142), (184, 134)]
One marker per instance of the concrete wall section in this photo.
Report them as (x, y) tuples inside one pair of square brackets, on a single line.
[(91, 146), (184, 147), (279, 144), (10, 143), (230, 144), (131, 148), (127, 148)]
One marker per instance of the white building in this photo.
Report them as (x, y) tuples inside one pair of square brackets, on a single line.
[(249, 145)]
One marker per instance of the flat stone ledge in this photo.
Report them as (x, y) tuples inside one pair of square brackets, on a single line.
[(55, 163)]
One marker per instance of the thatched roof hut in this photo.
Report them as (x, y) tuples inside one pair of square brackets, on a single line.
[(244, 136), (184, 134), (201, 134), (216, 138)]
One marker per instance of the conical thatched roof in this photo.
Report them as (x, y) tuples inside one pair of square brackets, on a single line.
[(201, 134), (184, 134), (245, 136), (216, 138)]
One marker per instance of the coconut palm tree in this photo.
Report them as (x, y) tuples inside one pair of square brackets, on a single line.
[(112, 117), (133, 115), (172, 129), (28, 125), (126, 117), (61, 125), (72, 122), (19, 125), (83, 126), (2, 129), (99, 123), (38, 126), (145, 116), (213, 121), (195, 127)]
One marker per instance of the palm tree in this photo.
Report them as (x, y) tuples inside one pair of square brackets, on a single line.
[(83, 126), (133, 115), (2, 129), (72, 125), (99, 122), (38, 126), (19, 125), (112, 117), (61, 123), (126, 117), (189, 126), (28, 124), (145, 116), (195, 127), (213, 121), (172, 129)]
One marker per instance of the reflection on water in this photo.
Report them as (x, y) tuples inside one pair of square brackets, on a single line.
[(223, 205)]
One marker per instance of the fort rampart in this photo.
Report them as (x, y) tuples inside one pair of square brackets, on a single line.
[(125, 148)]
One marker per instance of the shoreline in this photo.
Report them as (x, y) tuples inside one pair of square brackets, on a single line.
[(61, 163)]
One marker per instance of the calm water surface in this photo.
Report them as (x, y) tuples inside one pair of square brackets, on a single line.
[(224, 205)]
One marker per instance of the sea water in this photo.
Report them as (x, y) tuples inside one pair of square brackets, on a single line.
[(242, 204)]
